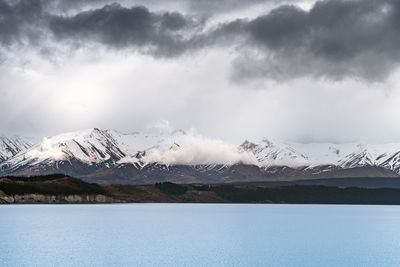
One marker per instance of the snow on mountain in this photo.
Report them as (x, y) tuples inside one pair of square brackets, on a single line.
[(347, 155), (135, 142), (181, 148), (10, 146), (110, 147), (274, 153), (324, 153), (384, 155), (88, 146)]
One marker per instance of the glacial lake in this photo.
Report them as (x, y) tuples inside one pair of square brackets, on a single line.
[(199, 235)]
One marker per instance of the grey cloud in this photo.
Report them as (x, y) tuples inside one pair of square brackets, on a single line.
[(212, 6), (31, 24), (335, 39), (19, 22), (120, 27), (193, 6)]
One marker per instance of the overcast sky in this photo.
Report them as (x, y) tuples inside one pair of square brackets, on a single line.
[(232, 69)]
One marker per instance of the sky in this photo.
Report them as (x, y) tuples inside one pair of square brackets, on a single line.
[(305, 71)]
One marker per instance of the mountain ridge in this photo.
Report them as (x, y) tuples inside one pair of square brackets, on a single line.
[(10, 146), (108, 155)]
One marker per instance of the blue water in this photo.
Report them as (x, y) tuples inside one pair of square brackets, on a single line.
[(199, 235)]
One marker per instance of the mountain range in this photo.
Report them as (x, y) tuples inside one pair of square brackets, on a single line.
[(109, 156)]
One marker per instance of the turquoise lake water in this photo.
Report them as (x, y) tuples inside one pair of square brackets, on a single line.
[(199, 235)]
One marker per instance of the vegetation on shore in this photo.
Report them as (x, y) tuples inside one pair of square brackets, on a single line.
[(60, 188)]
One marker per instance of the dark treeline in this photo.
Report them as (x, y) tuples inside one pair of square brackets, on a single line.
[(171, 188), (57, 184), (169, 192)]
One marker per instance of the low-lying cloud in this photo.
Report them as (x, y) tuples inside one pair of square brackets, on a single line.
[(194, 149)]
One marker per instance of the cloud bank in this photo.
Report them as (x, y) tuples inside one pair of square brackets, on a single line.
[(194, 149)]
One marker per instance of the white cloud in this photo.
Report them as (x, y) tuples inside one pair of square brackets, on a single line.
[(194, 149), (128, 92)]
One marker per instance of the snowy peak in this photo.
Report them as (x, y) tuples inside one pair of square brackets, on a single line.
[(135, 142), (10, 146), (384, 155), (93, 148), (96, 146), (349, 155), (88, 146), (357, 159), (274, 153)]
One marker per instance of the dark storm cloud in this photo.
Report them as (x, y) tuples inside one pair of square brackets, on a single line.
[(19, 22), (335, 39), (119, 27), (30, 24)]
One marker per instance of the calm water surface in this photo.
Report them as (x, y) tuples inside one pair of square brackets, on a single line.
[(199, 235)]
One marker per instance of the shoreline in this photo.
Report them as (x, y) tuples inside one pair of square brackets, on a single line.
[(68, 190)]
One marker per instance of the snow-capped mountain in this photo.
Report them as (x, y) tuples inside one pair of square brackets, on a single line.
[(95, 148), (145, 157), (88, 146), (10, 146), (270, 153), (348, 155)]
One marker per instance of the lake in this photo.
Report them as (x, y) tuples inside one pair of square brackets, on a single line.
[(199, 235)]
